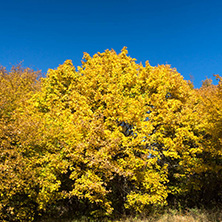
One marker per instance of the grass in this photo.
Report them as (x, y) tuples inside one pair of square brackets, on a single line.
[(190, 215)]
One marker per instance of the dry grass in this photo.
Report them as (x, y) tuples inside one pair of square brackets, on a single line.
[(191, 215)]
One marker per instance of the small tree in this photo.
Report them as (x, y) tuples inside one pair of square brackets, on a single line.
[(16, 180)]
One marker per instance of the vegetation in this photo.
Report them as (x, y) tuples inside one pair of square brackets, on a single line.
[(111, 138)]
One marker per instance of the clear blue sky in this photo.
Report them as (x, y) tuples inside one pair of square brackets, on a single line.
[(44, 33)]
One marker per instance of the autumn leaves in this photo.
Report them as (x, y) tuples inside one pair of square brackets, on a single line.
[(114, 135)]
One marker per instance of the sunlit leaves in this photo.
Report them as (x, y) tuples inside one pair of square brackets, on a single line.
[(113, 134)]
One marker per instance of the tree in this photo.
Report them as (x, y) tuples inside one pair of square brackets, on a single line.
[(16, 87), (117, 131), (211, 112)]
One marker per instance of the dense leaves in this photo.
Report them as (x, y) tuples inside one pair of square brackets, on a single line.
[(16, 177), (112, 137)]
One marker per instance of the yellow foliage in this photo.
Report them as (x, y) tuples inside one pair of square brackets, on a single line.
[(16, 178), (113, 133), (114, 118)]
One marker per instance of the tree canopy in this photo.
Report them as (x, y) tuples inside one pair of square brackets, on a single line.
[(109, 137)]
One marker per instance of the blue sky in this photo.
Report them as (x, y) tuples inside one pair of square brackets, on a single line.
[(44, 33)]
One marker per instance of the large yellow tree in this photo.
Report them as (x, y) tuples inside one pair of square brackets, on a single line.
[(117, 131)]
